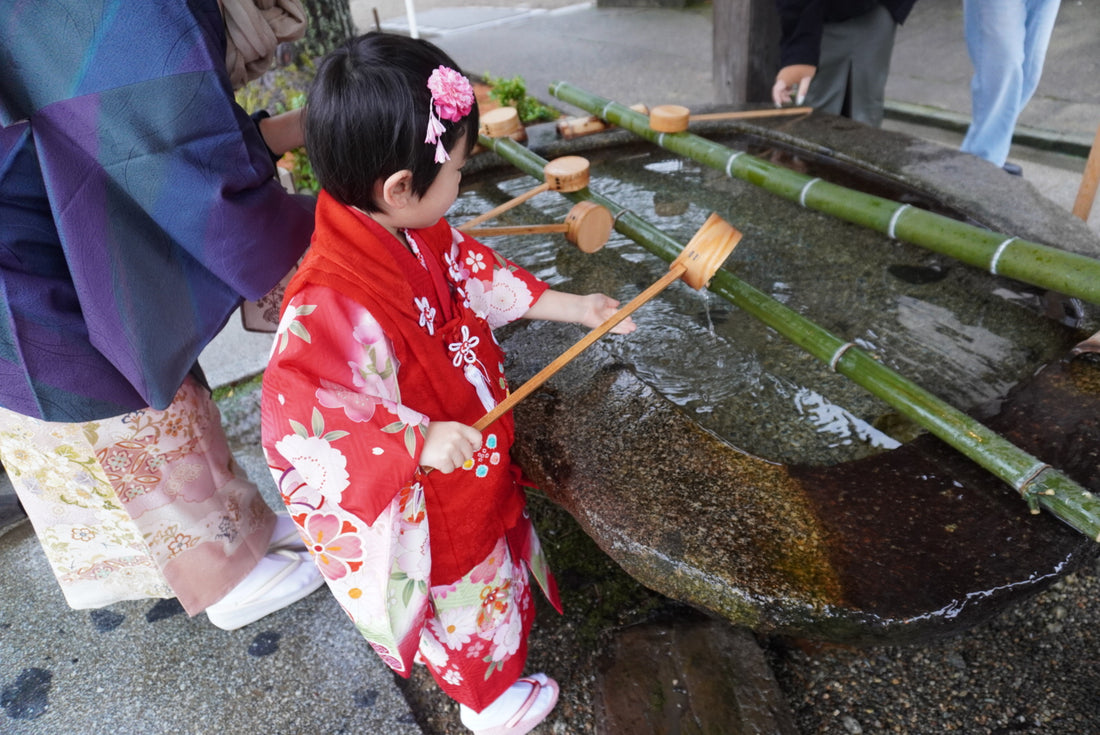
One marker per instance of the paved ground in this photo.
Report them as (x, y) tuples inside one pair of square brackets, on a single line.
[(143, 667)]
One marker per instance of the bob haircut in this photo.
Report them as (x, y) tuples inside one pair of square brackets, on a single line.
[(367, 116)]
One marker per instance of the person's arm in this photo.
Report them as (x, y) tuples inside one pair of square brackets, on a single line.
[(526, 297), (283, 132), (801, 23), (590, 310)]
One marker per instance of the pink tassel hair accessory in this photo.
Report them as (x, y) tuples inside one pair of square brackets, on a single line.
[(452, 99)]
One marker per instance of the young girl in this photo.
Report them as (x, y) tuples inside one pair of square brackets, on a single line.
[(383, 360)]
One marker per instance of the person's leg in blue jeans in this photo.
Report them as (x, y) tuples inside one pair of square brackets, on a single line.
[(1041, 15), (1007, 41)]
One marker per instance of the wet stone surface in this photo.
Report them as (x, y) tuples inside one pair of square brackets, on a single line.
[(689, 676)]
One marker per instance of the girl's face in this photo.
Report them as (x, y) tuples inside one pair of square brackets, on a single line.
[(425, 211)]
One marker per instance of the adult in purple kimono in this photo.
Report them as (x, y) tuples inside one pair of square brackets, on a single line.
[(138, 205)]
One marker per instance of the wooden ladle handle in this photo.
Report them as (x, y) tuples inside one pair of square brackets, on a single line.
[(675, 118), (697, 264), (467, 226), (518, 230), (588, 226), (565, 174), (584, 343), (750, 114)]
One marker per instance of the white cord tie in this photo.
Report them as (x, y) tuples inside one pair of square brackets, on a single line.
[(806, 190), (839, 354), (729, 163), (894, 220), (997, 255)]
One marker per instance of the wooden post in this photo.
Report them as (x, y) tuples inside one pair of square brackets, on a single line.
[(1082, 207), (746, 50)]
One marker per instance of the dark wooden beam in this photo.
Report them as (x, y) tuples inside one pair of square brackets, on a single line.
[(746, 50)]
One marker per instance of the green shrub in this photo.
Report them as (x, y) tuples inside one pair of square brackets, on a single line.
[(513, 93)]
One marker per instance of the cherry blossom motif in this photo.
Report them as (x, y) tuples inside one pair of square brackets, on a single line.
[(464, 349), (332, 545), (289, 325), (357, 406), (476, 261), (319, 464), (506, 299), (180, 542), (427, 313), (411, 554), (83, 533), (368, 331)]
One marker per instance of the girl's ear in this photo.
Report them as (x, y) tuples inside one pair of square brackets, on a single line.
[(397, 189)]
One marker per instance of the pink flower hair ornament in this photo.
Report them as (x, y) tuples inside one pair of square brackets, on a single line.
[(452, 99)]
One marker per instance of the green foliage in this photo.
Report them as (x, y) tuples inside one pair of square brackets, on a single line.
[(513, 93)]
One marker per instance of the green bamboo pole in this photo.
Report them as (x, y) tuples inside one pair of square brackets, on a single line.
[(1038, 483), (1031, 262)]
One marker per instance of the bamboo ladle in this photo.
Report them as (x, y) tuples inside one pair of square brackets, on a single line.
[(675, 118), (565, 174), (502, 121), (588, 226), (696, 265)]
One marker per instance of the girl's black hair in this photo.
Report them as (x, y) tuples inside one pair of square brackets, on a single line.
[(367, 116)]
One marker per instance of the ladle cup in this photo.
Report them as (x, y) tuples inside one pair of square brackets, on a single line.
[(675, 118), (565, 174), (696, 265), (502, 122), (588, 226)]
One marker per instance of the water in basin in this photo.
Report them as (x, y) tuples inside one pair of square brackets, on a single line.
[(966, 336)]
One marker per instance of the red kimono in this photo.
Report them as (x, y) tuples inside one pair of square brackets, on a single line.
[(375, 342)]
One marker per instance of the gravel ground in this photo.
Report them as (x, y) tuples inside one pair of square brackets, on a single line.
[(1032, 669)]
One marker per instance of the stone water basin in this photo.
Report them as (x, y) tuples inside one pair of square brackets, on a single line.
[(722, 466)]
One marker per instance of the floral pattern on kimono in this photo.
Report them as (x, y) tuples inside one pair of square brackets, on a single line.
[(148, 504), (333, 415)]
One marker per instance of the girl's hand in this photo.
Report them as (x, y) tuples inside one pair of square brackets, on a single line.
[(598, 308), (448, 444), (590, 311)]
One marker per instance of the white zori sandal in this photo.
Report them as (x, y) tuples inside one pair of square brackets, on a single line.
[(286, 535), (519, 710), (280, 578)]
